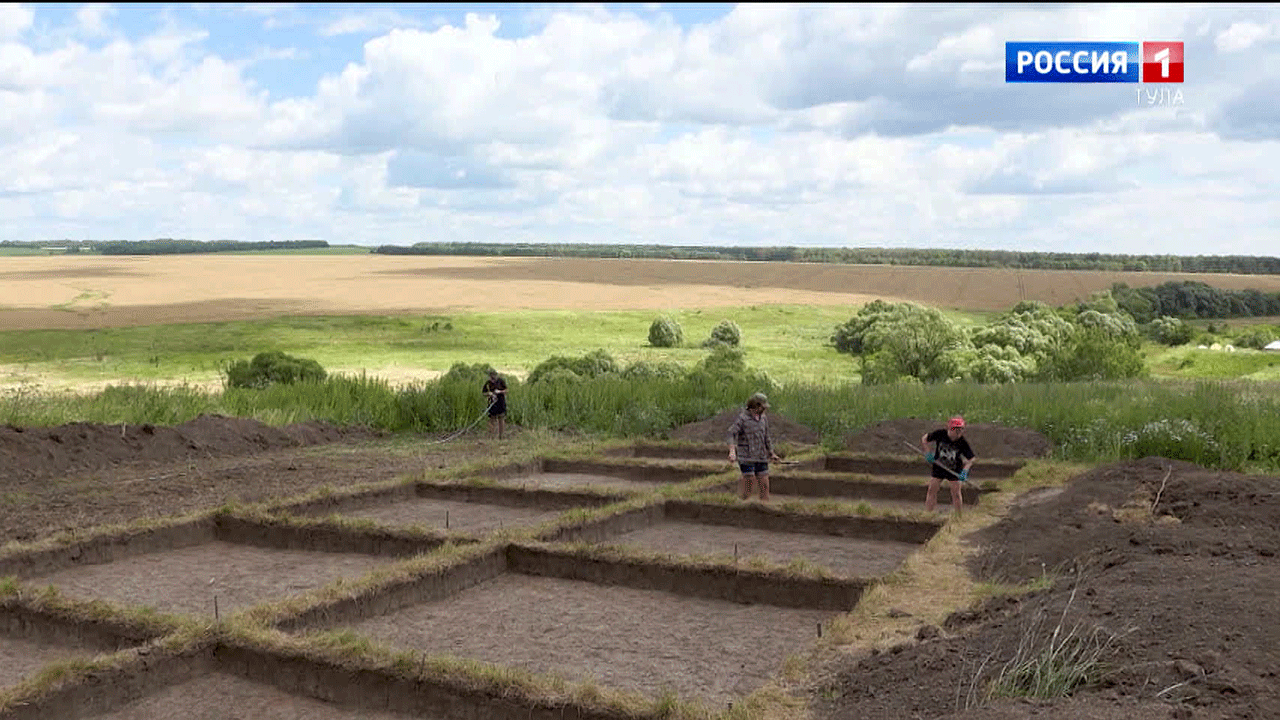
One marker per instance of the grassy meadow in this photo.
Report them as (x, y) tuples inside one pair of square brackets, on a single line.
[(786, 341), (1213, 407)]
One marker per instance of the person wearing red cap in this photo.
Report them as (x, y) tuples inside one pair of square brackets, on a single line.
[(950, 459)]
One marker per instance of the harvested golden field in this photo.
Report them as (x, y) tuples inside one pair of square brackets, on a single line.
[(105, 291)]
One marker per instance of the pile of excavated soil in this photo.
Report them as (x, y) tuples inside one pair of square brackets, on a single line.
[(27, 453), (1185, 595), (716, 430), (987, 440)]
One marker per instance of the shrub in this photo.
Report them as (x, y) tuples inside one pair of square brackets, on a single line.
[(642, 370), (560, 375), (666, 332), (475, 374), (1256, 339), (1171, 331), (593, 364), (727, 333), (268, 368)]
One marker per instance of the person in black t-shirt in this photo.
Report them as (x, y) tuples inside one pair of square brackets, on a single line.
[(951, 452), (495, 388)]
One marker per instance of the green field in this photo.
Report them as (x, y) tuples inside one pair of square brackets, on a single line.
[(787, 342)]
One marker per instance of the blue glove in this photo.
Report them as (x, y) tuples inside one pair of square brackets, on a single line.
[(964, 475), (929, 458)]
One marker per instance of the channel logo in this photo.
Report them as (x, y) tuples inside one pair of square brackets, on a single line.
[(1093, 62)]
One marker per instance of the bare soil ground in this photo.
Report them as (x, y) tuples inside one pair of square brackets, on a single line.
[(566, 481), (840, 555), (187, 580), (80, 475), (1187, 591), (639, 640), (453, 515), (219, 696), (716, 430), (20, 657)]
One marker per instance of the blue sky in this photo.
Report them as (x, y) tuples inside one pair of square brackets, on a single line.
[(812, 125)]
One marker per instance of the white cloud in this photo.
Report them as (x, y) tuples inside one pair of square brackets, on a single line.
[(857, 125), (368, 21), (92, 18), (1244, 35), (14, 20)]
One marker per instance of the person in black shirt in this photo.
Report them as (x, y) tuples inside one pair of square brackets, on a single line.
[(495, 388), (951, 451)]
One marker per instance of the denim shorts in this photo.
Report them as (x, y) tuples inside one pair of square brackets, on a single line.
[(756, 468)]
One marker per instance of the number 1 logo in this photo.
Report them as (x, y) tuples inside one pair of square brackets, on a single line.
[(1162, 62)]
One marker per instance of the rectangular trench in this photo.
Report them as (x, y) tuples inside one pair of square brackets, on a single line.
[(268, 682)]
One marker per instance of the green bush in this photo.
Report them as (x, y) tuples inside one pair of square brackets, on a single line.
[(1256, 339), (642, 370), (1170, 331), (727, 333), (666, 332), (269, 368), (476, 373), (593, 364)]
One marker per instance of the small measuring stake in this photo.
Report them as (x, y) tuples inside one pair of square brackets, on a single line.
[(215, 609), (446, 519)]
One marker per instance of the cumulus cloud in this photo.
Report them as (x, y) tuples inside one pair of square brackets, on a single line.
[(1253, 114), (14, 20), (92, 19), (1244, 35), (885, 125), (368, 21)]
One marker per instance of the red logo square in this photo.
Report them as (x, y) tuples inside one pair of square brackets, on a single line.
[(1162, 62)]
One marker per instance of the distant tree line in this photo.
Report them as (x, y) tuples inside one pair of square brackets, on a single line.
[(174, 247), (165, 246), (1189, 299), (1238, 264)]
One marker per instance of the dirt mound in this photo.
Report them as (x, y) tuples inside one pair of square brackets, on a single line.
[(716, 429), (1187, 591), (987, 440), (28, 453)]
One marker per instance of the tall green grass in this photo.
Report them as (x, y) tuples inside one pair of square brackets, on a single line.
[(1231, 425)]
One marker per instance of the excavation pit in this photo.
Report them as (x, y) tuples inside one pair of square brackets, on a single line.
[(453, 508), (226, 677), (848, 546), (704, 630), (984, 468), (876, 491), (32, 638), (619, 477), (716, 453), (644, 641), (212, 566), (210, 694)]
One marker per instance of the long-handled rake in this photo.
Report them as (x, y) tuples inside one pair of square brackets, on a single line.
[(935, 461)]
